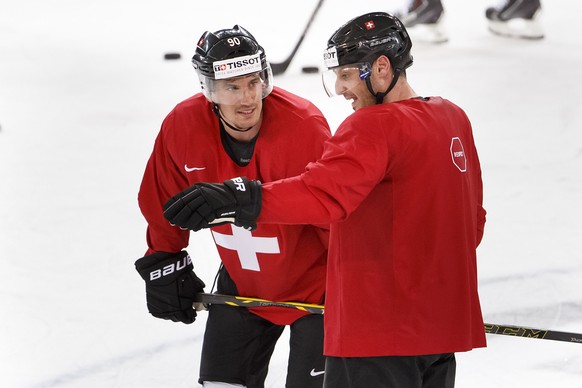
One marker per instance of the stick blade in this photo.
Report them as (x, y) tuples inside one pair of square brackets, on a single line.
[(279, 68)]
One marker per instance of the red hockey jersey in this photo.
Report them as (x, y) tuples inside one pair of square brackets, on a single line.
[(401, 184), (276, 262)]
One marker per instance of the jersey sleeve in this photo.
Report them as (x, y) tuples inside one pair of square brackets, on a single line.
[(333, 187), (162, 179)]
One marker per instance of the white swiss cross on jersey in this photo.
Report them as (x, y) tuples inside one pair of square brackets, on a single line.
[(247, 246)]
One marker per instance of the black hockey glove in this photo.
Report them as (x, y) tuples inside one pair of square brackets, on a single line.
[(170, 285), (203, 205)]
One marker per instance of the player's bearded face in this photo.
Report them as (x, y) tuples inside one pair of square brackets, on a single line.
[(240, 99)]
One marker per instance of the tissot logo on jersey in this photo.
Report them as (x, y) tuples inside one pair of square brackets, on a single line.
[(237, 66), (171, 268)]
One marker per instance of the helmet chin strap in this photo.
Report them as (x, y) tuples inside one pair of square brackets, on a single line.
[(217, 112), (380, 96)]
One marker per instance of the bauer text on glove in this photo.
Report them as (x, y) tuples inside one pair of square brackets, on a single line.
[(171, 285)]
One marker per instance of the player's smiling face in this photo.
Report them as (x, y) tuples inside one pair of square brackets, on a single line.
[(240, 99), (347, 81), (359, 95)]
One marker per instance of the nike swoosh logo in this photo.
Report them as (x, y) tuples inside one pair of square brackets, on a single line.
[(190, 169), (314, 373)]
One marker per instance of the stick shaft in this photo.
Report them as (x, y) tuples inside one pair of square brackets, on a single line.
[(490, 328)]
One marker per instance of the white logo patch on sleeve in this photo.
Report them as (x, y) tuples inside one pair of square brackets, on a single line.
[(458, 154)]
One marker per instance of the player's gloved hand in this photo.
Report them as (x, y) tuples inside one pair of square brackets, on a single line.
[(170, 285), (203, 205)]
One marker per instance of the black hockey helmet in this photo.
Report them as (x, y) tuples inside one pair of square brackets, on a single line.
[(230, 53), (361, 41), (366, 37)]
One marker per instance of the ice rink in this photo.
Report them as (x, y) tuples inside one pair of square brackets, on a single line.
[(83, 91)]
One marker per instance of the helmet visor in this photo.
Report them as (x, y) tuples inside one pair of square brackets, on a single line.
[(341, 79), (239, 90)]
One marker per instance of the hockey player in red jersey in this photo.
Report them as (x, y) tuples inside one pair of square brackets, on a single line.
[(400, 183), (239, 125)]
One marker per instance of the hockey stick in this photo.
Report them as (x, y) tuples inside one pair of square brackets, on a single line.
[(529, 332), (243, 301), (279, 68), (490, 328)]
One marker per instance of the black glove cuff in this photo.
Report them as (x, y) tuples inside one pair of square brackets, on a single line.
[(248, 195), (163, 268)]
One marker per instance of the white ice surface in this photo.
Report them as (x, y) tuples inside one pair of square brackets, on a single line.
[(83, 90)]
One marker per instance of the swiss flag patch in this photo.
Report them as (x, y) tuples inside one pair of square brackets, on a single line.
[(370, 24)]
